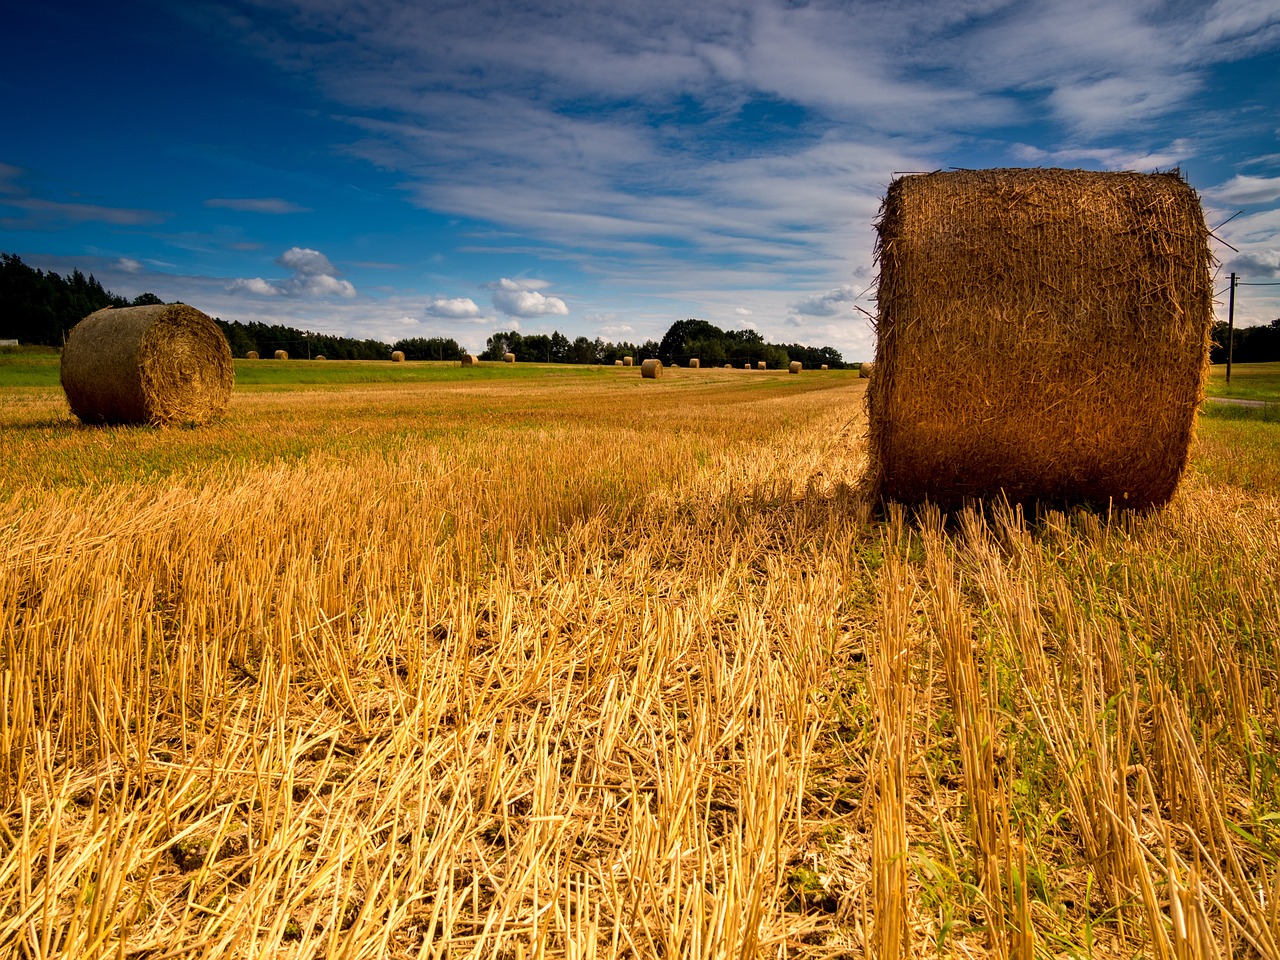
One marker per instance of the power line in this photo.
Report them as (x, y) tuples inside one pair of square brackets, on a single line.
[(1257, 283)]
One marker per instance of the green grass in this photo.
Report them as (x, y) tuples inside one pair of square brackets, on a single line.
[(1249, 381)]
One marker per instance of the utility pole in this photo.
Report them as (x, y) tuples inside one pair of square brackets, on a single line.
[(1231, 325)]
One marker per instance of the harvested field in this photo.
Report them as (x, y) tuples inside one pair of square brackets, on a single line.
[(353, 673)]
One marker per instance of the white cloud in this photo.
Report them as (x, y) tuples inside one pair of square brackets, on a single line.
[(1247, 190), (129, 265), (313, 276), (616, 330), (272, 205), (742, 311), (306, 262), (827, 304), (519, 300), (253, 285), (453, 308)]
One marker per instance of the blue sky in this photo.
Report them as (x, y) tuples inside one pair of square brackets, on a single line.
[(396, 168)]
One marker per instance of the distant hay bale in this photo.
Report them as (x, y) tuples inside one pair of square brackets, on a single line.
[(866, 369), (470, 360), (825, 367), (397, 356), (161, 363), (319, 356), (795, 367), (627, 362), (651, 369), (760, 365), (251, 355), (282, 354), (728, 366), (508, 358), (994, 286), (617, 363), (694, 363)]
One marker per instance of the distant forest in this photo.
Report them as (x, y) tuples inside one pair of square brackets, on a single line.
[(40, 307), (685, 340)]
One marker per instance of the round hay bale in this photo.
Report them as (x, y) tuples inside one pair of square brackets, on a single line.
[(795, 367), (825, 367), (282, 354), (470, 360), (251, 355), (694, 363), (161, 363), (617, 363), (865, 369), (508, 358), (627, 362), (728, 366), (994, 285), (651, 369), (760, 365), (397, 356), (319, 356)]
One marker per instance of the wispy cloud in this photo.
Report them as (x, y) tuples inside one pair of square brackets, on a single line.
[(52, 214), (1247, 190), (272, 205)]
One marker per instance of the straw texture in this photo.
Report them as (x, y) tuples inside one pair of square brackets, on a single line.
[(159, 364), (1042, 335)]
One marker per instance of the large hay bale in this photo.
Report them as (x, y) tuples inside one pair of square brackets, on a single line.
[(470, 360), (865, 369), (161, 363), (508, 358), (651, 369), (627, 362), (282, 354), (795, 367), (251, 355), (617, 363), (760, 365), (694, 363), (397, 356), (995, 286)]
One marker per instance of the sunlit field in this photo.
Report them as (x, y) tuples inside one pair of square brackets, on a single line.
[(559, 662)]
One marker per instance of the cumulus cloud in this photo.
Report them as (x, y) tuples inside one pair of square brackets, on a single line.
[(742, 311), (454, 308), (253, 285), (521, 300), (313, 276), (826, 304), (274, 205)]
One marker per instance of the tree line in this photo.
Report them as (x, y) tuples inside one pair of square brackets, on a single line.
[(683, 341), (1249, 345)]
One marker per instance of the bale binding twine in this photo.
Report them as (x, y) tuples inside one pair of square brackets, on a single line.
[(996, 288), (158, 364)]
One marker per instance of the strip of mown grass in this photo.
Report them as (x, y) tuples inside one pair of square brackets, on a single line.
[(1249, 381)]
